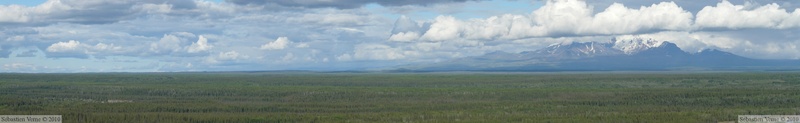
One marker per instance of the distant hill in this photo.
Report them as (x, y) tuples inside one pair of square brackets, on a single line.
[(619, 55)]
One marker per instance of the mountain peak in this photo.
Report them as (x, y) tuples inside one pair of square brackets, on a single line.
[(577, 49), (705, 52), (642, 54), (664, 49), (635, 45)]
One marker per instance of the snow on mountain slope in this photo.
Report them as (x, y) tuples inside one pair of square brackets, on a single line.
[(586, 49), (635, 45)]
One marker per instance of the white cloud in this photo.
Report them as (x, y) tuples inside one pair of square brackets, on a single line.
[(200, 45), (492, 27), (278, 44), (727, 15), (168, 43), (561, 18), (404, 36), (13, 13), (405, 30), (68, 46), (77, 49), (572, 17), (106, 47), (618, 19), (157, 30), (443, 28), (226, 56)]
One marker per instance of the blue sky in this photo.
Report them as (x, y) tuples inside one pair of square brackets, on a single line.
[(242, 35), (22, 2)]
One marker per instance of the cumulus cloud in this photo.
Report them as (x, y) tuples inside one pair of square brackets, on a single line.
[(163, 31), (573, 17), (69, 46), (200, 45), (13, 13), (618, 19), (177, 43), (106, 47), (168, 43), (444, 28), (405, 30), (278, 44), (159, 31), (561, 18), (77, 49), (404, 36), (728, 15)]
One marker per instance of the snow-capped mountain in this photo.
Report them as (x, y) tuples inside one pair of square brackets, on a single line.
[(592, 49), (635, 54), (632, 46), (575, 50)]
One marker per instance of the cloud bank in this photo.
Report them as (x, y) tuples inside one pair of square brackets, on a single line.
[(198, 35)]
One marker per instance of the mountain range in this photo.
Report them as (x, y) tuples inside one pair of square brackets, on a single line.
[(618, 55)]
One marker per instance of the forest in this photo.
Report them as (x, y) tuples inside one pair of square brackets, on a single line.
[(401, 97)]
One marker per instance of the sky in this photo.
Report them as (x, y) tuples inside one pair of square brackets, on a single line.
[(65, 36)]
